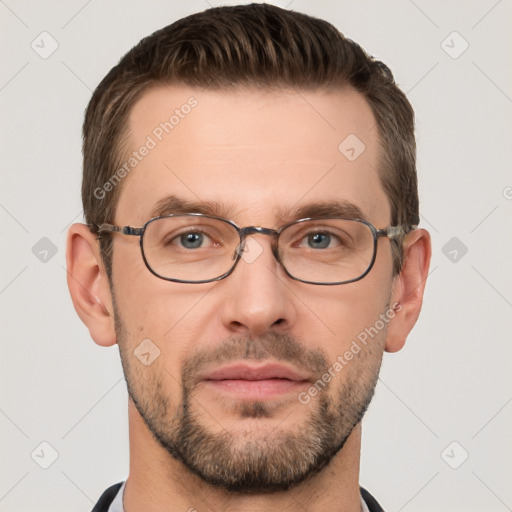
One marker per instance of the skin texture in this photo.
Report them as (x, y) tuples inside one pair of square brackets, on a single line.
[(261, 154)]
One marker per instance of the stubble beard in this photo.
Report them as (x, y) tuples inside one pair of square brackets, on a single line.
[(250, 461)]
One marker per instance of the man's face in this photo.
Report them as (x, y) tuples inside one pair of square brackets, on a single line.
[(258, 155)]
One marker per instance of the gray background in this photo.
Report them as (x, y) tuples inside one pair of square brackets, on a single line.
[(452, 381)]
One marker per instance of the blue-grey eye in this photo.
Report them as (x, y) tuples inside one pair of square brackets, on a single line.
[(192, 240), (319, 240)]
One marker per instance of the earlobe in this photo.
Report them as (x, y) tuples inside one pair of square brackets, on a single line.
[(88, 284), (408, 288)]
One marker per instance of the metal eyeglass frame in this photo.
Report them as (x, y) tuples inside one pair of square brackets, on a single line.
[(391, 232)]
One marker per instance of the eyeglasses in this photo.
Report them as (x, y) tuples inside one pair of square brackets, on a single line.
[(197, 248)]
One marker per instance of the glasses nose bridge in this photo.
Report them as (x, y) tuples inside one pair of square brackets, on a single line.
[(258, 230), (251, 230)]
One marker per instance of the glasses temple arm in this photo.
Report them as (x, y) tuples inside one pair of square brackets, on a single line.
[(394, 232), (125, 230)]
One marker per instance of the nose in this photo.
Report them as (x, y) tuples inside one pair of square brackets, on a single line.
[(257, 297)]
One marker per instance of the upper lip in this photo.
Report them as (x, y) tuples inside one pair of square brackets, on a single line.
[(241, 371)]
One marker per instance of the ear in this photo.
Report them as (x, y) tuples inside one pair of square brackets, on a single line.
[(88, 284), (408, 288)]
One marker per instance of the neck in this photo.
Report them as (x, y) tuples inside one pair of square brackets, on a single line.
[(159, 480)]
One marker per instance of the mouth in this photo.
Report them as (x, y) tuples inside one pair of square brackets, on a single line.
[(251, 382)]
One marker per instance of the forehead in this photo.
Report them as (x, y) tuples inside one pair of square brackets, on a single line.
[(256, 152)]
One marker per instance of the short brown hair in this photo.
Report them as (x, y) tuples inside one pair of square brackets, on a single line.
[(257, 45)]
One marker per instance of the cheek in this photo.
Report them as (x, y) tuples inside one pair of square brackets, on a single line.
[(171, 315), (339, 316), (149, 306)]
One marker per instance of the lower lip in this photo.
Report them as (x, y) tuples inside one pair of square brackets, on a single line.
[(256, 389)]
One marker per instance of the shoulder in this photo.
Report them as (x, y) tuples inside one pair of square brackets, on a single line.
[(371, 502), (107, 498)]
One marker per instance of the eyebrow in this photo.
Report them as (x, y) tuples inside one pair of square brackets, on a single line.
[(173, 204), (342, 208)]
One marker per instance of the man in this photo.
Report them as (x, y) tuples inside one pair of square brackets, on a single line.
[(252, 247)]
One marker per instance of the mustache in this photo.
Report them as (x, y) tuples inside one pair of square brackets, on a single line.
[(275, 346)]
